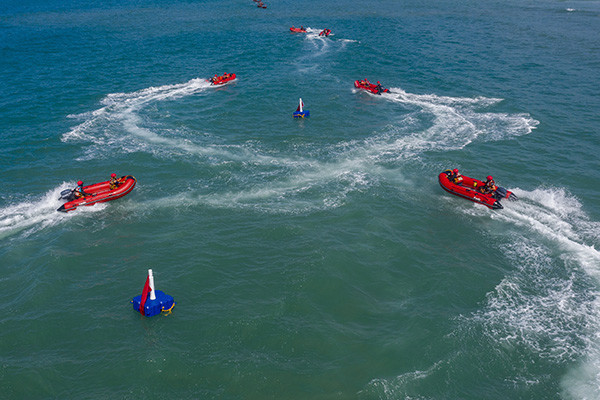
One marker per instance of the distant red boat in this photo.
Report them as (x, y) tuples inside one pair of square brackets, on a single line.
[(98, 193), (297, 30), (221, 80), (370, 87), (325, 32), (467, 189)]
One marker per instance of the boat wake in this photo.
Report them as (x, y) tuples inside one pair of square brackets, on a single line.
[(547, 307), (550, 304), (103, 126), (29, 217), (454, 122), (320, 46)]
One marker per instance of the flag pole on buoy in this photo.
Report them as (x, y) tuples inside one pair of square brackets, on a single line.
[(300, 111), (154, 304)]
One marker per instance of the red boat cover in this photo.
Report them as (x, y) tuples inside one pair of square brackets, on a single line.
[(100, 193)]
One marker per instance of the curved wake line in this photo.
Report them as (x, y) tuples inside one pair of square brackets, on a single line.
[(558, 217), (456, 121), (557, 318), (121, 112), (322, 186), (124, 103), (322, 45)]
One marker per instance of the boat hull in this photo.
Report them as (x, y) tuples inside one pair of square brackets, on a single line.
[(371, 88), (467, 190), (222, 81), (100, 193)]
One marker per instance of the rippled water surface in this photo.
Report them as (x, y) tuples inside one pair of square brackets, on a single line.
[(310, 259)]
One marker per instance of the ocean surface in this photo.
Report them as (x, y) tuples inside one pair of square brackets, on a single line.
[(309, 259)]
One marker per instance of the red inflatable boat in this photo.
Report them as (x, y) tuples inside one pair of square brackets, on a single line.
[(370, 87), (325, 32), (221, 80), (297, 30), (98, 193), (467, 189)]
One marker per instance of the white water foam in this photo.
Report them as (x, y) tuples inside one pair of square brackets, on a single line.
[(455, 121), (321, 45), (104, 127), (28, 217), (547, 306), (298, 183), (544, 305), (120, 103), (398, 386), (305, 184)]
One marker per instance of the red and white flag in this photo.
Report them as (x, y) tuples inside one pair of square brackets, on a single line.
[(145, 292)]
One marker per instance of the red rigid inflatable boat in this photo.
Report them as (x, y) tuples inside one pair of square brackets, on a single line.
[(467, 190), (369, 87), (221, 80), (297, 30), (98, 193)]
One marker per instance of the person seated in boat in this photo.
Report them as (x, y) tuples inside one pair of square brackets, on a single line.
[(456, 176), (302, 28), (78, 191), (114, 182), (489, 186), (378, 88)]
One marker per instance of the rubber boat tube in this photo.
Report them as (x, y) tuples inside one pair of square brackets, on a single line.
[(466, 190), (221, 80), (370, 87), (99, 193)]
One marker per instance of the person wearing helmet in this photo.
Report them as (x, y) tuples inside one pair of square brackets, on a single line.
[(114, 182), (78, 191), (489, 186), (456, 176), (378, 88)]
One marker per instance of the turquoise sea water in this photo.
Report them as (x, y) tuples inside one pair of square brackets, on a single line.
[(314, 259)]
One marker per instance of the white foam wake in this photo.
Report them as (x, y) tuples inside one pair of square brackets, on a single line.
[(454, 121), (119, 104), (28, 217), (120, 126), (545, 305)]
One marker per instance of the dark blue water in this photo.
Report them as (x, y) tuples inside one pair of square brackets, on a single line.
[(309, 259)]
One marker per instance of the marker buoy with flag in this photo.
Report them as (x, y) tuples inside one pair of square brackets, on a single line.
[(152, 302), (300, 111)]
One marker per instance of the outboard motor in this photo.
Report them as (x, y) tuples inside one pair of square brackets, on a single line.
[(500, 193), (67, 195)]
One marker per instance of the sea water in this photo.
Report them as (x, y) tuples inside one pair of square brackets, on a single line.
[(311, 259)]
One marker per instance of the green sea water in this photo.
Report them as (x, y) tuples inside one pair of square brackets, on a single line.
[(311, 259)]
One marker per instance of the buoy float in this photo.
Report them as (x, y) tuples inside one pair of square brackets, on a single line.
[(152, 302), (300, 111)]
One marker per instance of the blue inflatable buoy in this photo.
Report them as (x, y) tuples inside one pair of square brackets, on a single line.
[(300, 111), (152, 302)]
